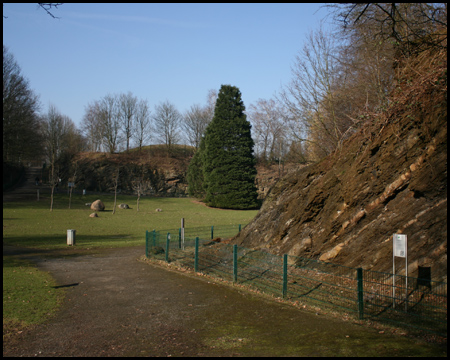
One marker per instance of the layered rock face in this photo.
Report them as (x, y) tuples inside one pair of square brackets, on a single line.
[(389, 177)]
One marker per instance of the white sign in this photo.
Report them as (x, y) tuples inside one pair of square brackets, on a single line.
[(400, 245)]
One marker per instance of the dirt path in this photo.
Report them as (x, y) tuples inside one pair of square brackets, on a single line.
[(28, 189), (116, 305)]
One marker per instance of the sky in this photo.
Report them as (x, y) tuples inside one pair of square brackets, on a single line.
[(158, 52)]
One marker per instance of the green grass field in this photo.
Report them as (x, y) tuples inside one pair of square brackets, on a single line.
[(32, 224), (28, 293)]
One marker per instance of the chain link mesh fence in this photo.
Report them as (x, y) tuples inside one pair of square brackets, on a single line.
[(410, 302)]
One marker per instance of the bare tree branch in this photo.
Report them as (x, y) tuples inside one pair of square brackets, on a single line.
[(48, 6)]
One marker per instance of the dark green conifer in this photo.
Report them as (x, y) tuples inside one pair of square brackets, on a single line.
[(195, 173), (228, 160)]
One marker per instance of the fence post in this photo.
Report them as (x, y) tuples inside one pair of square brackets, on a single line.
[(285, 262), (146, 243), (182, 234), (235, 263), (359, 272), (239, 227), (167, 247), (196, 255), (212, 232)]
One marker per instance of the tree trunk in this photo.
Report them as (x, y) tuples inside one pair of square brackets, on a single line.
[(52, 181), (115, 199), (116, 183)]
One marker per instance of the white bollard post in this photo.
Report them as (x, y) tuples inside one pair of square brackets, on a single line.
[(71, 237)]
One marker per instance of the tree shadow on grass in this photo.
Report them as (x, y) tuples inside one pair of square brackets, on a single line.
[(46, 246)]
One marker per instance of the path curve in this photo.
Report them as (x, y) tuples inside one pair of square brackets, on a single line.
[(118, 305)]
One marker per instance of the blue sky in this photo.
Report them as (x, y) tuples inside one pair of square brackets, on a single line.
[(159, 52)]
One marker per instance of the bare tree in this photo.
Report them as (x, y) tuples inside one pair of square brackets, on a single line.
[(101, 124), (269, 128), (74, 141), (195, 121), (377, 39), (167, 124), (211, 99), (140, 186), (127, 108), (109, 118), (92, 127), (197, 118), (365, 72), (56, 128), (22, 140), (309, 97), (142, 130), (49, 6), (74, 178), (414, 27), (116, 184)]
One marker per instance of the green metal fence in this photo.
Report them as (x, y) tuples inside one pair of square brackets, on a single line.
[(405, 301)]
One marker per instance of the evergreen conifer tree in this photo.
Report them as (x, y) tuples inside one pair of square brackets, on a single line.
[(228, 160), (195, 173)]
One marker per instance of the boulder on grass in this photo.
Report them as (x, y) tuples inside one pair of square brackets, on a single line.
[(97, 205), (124, 206), (93, 215)]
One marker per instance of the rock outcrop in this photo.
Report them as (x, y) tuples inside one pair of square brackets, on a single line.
[(389, 177)]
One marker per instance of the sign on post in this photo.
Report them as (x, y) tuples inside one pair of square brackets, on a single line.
[(400, 249), (400, 245)]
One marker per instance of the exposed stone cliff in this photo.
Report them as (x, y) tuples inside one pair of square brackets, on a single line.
[(389, 177), (163, 175)]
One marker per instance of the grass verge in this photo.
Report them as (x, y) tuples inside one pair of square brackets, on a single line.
[(29, 295)]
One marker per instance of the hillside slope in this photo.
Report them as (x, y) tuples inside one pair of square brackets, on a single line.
[(389, 177)]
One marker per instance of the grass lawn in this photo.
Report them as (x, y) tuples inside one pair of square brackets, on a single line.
[(32, 224), (28, 293), (29, 296)]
